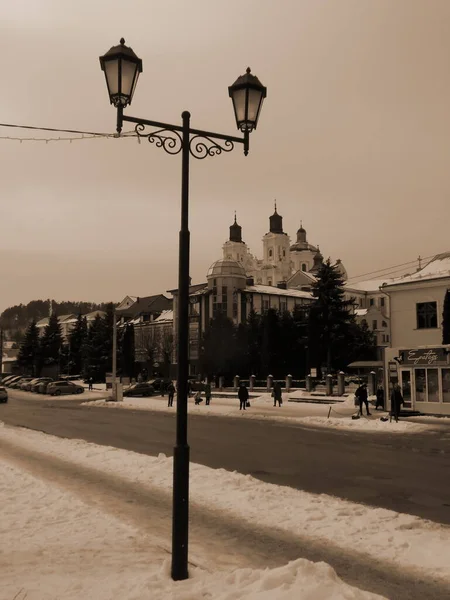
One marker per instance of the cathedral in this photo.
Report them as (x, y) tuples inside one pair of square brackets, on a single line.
[(282, 263)]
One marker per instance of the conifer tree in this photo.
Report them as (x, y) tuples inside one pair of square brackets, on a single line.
[(77, 342), (330, 317), (28, 356), (446, 319), (51, 343)]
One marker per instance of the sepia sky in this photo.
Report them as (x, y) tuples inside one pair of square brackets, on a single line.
[(354, 137)]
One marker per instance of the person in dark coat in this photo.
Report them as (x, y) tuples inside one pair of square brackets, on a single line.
[(380, 398), (243, 396), (277, 394), (207, 393), (90, 384), (361, 394), (396, 402), (171, 393)]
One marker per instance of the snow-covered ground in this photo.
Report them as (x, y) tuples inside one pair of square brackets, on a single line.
[(58, 546), (338, 415)]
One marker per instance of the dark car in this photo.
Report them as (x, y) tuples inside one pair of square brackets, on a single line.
[(26, 385), (139, 389), (56, 388), (13, 380), (18, 384), (3, 394), (35, 386), (159, 383), (43, 385)]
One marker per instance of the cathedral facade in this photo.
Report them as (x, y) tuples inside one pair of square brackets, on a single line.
[(281, 262)]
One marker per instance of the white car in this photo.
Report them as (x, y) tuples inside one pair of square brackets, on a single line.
[(3, 394)]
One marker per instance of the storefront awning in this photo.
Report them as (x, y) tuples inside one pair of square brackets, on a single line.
[(366, 364)]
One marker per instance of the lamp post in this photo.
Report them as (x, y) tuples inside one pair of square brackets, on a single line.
[(122, 68)]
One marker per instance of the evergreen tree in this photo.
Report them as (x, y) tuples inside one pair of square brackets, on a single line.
[(77, 342), (127, 358), (28, 356), (93, 351), (330, 318), (446, 319), (51, 343), (253, 344), (218, 348)]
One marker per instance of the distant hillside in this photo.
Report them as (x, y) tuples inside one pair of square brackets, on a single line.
[(14, 320)]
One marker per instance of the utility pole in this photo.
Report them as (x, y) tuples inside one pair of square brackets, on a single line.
[(114, 357), (1, 354)]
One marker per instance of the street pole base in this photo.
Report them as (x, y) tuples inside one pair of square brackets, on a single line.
[(180, 517)]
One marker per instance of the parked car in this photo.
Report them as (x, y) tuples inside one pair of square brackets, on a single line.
[(26, 385), (7, 378), (13, 380), (34, 387), (56, 388), (159, 382), (43, 385), (18, 384), (139, 389), (3, 394)]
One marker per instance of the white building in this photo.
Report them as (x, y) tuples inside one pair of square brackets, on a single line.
[(281, 260), (418, 359)]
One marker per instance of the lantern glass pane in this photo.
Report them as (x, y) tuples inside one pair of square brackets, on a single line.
[(112, 76), (128, 73), (239, 97), (254, 103)]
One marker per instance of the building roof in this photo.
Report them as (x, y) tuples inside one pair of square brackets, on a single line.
[(275, 291), (165, 317), (437, 268), (61, 319), (366, 364), (361, 312), (371, 285), (147, 304), (227, 267), (192, 288)]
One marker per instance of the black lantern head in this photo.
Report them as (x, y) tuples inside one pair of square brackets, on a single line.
[(247, 94), (122, 68)]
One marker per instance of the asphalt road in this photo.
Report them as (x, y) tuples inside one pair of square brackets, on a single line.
[(405, 473)]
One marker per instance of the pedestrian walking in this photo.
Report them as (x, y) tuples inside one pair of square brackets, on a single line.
[(90, 382), (396, 402), (171, 393), (380, 398), (243, 396), (207, 393), (361, 394), (277, 394)]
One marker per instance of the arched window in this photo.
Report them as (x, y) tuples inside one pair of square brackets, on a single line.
[(284, 252), (383, 324), (270, 253), (303, 267), (269, 282)]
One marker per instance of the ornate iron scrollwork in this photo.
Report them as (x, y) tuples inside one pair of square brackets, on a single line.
[(168, 139), (201, 146)]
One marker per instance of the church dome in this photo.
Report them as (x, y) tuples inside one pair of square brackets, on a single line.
[(225, 268)]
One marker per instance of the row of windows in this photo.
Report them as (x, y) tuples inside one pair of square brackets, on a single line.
[(381, 301), (426, 385)]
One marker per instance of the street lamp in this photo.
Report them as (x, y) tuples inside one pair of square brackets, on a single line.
[(122, 68)]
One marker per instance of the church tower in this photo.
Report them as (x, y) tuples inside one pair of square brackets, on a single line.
[(276, 261), (302, 253), (236, 249)]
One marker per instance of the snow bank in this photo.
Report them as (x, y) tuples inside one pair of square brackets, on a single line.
[(403, 540), (57, 547)]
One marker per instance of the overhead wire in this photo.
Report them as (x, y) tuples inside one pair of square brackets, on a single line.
[(389, 270), (81, 135)]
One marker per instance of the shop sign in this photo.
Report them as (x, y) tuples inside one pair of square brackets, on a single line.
[(313, 372), (424, 357)]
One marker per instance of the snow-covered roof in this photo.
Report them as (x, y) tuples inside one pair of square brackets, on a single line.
[(165, 316), (361, 312), (371, 285), (438, 267), (275, 291)]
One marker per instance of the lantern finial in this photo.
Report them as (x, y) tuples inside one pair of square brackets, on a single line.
[(122, 41)]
